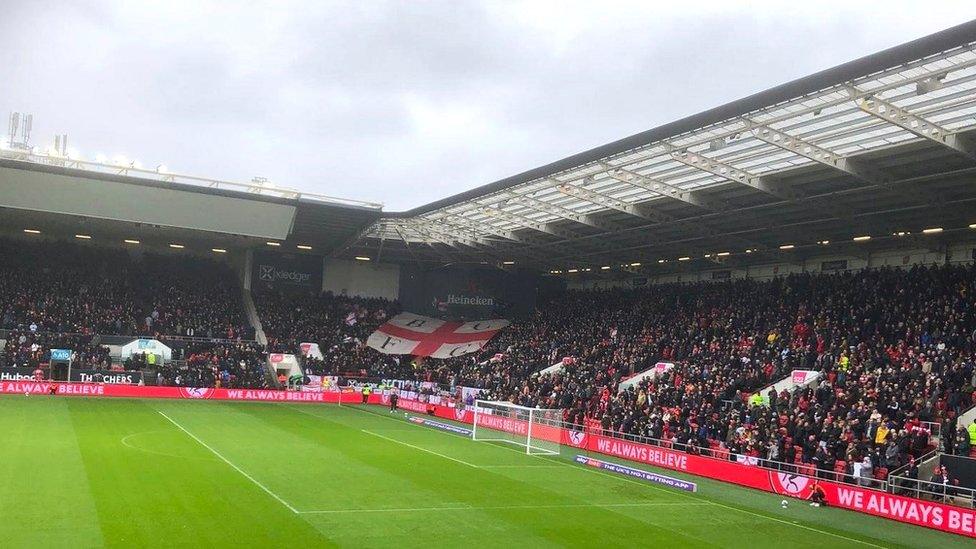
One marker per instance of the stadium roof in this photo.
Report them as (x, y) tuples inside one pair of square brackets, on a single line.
[(875, 147), (63, 197)]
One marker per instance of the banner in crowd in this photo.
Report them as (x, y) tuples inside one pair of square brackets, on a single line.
[(411, 334), (284, 271), (107, 376), (311, 350), (321, 383)]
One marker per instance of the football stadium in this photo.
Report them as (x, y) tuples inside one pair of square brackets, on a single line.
[(752, 326)]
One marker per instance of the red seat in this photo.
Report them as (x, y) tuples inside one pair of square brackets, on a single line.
[(881, 473), (840, 468)]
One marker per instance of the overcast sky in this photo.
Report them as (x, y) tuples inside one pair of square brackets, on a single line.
[(407, 102)]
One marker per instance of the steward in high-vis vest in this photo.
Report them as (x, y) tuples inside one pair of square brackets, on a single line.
[(972, 434), (367, 390)]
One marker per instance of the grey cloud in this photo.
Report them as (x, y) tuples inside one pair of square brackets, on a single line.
[(405, 102)]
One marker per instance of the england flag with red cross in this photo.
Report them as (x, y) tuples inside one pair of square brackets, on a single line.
[(410, 334)]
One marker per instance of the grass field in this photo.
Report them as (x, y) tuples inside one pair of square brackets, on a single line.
[(101, 472)]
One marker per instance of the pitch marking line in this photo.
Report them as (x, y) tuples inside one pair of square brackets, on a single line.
[(228, 462), (462, 462), (500, 507), (760, 515), (709, 502), (519, 466)]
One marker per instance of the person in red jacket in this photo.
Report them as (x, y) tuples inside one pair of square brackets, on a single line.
[(817, 496)]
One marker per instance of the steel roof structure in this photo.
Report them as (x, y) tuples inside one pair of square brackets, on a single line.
[(876, 147)]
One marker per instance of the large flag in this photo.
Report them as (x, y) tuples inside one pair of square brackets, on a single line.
[(410, 334)]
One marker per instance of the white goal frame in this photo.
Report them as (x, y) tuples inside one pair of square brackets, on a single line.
[(515, 425)]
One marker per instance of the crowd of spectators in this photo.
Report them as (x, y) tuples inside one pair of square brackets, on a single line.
[(66, 295), (895, 348), (64, 287), (227, 365), (339, 324), (26, 349)]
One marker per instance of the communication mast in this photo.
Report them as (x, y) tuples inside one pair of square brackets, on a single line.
[(19, 130)]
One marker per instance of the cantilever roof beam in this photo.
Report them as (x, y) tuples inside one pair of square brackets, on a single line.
[(877, 107)]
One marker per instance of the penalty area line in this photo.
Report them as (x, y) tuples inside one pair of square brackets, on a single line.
[(228, 462), (438, 454)]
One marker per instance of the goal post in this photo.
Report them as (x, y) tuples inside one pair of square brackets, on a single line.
[(535, 429)]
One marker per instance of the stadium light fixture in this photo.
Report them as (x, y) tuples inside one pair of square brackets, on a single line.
[(863, 238), (303, 247), (635, 264), (361, 258), (605, 268), (787, 247), (932, 230), (685, 258), (972, 225), (131, 241), (749, 251), (218, 250), (273, 244), (900, 233), (662, 260), (723, 254), (572, 270), (508, 263), (823, 242), (32, 231), (177, 246), (83, 236)]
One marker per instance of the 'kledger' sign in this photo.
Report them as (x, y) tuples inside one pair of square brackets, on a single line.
[(283, 271)]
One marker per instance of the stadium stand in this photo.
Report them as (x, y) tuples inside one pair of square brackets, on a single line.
[(65, 295), (68, 288), (27, 349), (896, 347)]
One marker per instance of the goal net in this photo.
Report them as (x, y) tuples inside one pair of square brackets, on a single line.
[(535, 429)]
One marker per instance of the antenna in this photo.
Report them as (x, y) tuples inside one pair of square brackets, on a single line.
[(28, 126), (61, 144), (13, 126), (22, 123)]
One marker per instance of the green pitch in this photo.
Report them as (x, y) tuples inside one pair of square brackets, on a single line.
[(100, 472)]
